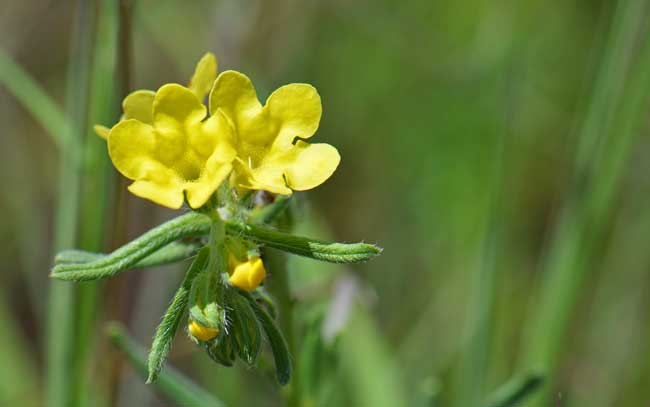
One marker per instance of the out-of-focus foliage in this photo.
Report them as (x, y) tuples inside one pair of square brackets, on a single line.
[(436, 108)]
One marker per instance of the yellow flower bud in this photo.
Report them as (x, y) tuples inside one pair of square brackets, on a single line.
[(247, 275), (202, 333)]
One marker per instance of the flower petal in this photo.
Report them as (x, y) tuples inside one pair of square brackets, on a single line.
[(233, 92), (170, 195), (217, 166), (204, 75), (102, 131), (248, 275), (305, 165), (296, 111), (132, 147), (174, 107), (139, 105)]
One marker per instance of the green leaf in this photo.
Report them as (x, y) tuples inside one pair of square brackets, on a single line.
[(302, 246), (278, 344), (514, 391), (135, 253), (205, 306), (127, 256), (245, 329), (173, 252), (167, 329), (221, 350), (171, 383)]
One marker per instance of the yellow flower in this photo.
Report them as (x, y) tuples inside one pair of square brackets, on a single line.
[(178, 153), (247, 275), (271, 153), (139, 104), (202, 333)]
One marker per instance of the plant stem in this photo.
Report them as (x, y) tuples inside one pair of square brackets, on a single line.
[(62, 389)]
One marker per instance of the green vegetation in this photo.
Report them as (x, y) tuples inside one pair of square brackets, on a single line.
[(496, 151)]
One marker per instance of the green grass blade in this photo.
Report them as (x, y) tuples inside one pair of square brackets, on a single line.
[(302, 246), (367, 367), (171, 383), (171, 321), (96, 202), (61, 363), (514, 391), (30, 94), (190, 224), (586, 216)]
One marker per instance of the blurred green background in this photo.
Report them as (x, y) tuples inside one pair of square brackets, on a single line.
[(496, 150)]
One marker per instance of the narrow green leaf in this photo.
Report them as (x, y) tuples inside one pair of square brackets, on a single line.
[(167, 329), (30, 94), (514, 391), (278, 344), (245, 329), (261, 295), (191, 224), (171, 383), (173, 252), (221, 351), (62, 367), (302, 246)]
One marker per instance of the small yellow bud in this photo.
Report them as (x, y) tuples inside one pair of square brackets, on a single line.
[(247, 275), (202, 333)]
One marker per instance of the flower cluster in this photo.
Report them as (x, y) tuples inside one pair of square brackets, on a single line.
[(222, 160), (173, 150)]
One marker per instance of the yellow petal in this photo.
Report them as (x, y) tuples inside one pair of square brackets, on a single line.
[(312, 165), (304, 165), (267, 157), (132, 147), (218, 165), (233, 92), (169, 194), (202, 333), (296, 111), (177, 119), (139, 105), (204, 75), (248, 275), (102, 131), (176, 106)]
